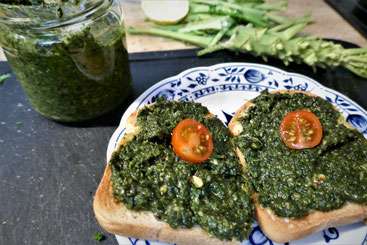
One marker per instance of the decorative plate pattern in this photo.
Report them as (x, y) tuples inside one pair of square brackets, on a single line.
[(223, 88)]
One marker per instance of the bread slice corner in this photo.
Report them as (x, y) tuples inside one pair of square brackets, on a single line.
[(282, 230)]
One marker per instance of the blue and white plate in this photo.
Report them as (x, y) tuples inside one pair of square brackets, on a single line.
[(223, 88)]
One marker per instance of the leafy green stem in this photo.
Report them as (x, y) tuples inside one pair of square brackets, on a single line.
[(197, 40)]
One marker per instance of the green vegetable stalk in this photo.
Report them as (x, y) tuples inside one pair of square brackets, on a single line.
[(248, 26), (284, 45), (312, 51), (255, 13), (197, 40)]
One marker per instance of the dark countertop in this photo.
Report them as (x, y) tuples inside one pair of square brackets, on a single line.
[(354, 11), (49, 171)]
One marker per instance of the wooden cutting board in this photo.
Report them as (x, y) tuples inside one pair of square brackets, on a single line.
[(328, 24)]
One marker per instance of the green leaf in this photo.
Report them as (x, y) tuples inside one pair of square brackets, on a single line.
[(4, 77), (98, 237)]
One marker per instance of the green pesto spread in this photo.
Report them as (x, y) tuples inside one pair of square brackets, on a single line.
[(294, 182), (35, 2), (71, 72), (148, 175)]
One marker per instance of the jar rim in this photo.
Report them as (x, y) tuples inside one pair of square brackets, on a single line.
[(51, 15)]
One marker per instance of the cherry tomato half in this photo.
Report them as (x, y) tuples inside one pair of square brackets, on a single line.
[(191, 141), (301, 129)]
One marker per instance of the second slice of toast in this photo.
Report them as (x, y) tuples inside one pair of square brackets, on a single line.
[(285, 228)]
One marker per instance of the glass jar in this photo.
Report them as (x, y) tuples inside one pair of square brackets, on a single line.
[(69, 56)]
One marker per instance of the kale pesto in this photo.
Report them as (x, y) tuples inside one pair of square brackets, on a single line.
[(35, 2), (148, 175), (293, 182), (71, 70)]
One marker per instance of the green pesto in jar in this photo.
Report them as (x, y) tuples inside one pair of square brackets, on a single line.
[(148, 175), (36, 2), (294, 182), (70, 73)]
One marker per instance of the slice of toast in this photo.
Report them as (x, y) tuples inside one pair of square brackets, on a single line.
[(115, 218), (282, 229)]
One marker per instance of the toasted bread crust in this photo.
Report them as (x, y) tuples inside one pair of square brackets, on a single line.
[(115, 218), (280, 229), (283, 230)]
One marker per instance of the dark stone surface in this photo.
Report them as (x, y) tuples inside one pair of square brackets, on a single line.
[(49, 171), (353, 11)]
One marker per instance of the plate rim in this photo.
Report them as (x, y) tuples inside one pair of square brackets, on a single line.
[(135, 104), (213, 67)]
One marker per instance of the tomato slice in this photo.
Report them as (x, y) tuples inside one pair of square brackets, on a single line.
[(301, 129), (191, 141)]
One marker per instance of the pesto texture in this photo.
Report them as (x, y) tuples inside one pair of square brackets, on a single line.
[(293, 182), (36, 2), (148, 175), (69, 72)]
